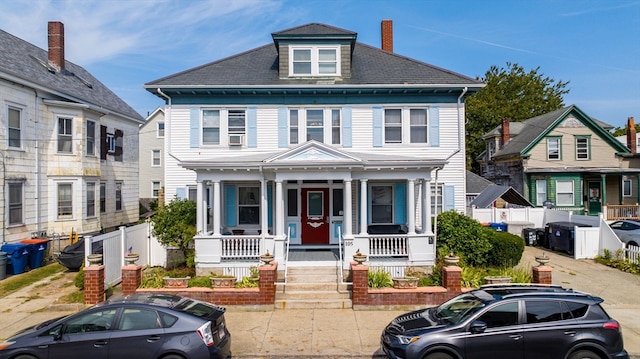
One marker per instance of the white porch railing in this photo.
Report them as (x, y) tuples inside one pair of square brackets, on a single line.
[(240, 247), (388, 245), (632, 253)]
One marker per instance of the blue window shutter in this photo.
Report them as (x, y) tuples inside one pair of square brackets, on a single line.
[(230, 206), (449, 197), (400, 204), (434, 126), (194, 128), (252, 127), (377, 127), (283, 127), (181, 193), (346, 127), (269, 205)]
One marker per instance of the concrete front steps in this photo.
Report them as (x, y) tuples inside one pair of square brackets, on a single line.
[(313, 288)]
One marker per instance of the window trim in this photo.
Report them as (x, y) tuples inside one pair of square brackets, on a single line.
[(88, 206), (405, 125), (240, 205), (559, 141), (541, 183), (64, 137), (392, 203), (314, 60), (153, 158), (118, 196), (160, 131), (573, 193), (90, 141), (103, 197), (19, 110), (587, 148), (627, 190), (59, 201), (155, 192), (14, 205)]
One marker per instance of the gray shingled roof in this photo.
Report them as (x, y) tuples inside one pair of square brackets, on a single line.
[(314, 29), (493, 192), (526, 132), (27, 62), (475, 183), (259, 67)]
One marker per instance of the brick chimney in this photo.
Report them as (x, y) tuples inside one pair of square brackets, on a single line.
[(631, 135), (387, 35), (56, 44), (506, 135)]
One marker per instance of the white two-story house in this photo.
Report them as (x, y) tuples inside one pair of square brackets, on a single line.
[(68, 145), (316, 141)]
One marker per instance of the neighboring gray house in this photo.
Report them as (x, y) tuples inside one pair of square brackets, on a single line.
[(475, 186), (152, 153), (316, 140), (68, 145)]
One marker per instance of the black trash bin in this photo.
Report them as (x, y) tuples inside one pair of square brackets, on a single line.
[(561, 235), (530, 236)]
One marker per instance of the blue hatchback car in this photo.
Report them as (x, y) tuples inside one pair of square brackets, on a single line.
[(135, 326)]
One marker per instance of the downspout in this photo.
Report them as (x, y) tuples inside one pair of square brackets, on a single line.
[(36, 122), (167, 120)]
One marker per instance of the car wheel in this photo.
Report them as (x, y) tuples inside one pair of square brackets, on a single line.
[(584, 354), (438, 356)]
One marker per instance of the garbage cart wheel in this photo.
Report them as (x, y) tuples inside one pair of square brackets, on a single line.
[(584, 354)]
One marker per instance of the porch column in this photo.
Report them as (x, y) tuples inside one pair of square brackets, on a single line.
[(210, 205), (603, 189), (264, 212), (201, 207), (426, 206), (279, 217), (363, 207), (216, 208), (411, 206), (347, 227)]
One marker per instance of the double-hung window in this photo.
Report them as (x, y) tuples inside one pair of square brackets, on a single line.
[(553, 148), (155, 158), (582, 147), (236, 121), (160, 130), (626, 187), (155, 189), (315, 125), (564, 193), (406, 125), (65, 200), (103, 197), (314, 61), (541, 192), (15, 127), (91, 199), (211, 127), (118, 196), (335, 126), (382, 204), (249, 205), (437, 199), (65, 135), (16, 200), (294, 125), (90, 141)]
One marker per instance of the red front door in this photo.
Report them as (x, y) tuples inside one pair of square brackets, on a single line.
[(315, 216)]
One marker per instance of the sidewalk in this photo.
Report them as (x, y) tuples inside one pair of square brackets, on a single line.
[(338, 333)]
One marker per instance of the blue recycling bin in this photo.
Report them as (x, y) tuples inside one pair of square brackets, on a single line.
[(37, 250), (498, 227), (17, 255)]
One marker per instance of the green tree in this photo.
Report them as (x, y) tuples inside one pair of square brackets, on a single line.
[(510, 92), (175, 224), (622, 131)]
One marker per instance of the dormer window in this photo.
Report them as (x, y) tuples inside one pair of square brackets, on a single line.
[(314, 61)]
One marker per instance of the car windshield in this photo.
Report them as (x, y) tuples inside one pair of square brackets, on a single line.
[(461, 307)]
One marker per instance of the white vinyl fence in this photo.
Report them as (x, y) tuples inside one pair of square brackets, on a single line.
[(135, 239)]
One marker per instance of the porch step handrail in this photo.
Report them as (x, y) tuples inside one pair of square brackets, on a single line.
[(341, 260), (287, 243)]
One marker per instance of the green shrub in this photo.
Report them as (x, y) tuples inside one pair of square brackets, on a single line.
[(506, 249), (200, 282), (247, 282), (78, 280), (379, 279), (464, 236), (473, 277)]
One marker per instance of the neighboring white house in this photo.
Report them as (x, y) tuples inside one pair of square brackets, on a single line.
[(68, 145), (152, 155), (313, 138)]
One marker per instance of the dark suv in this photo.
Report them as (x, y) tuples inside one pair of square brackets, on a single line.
[(508, 321)]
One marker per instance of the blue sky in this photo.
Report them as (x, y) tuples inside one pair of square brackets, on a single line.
[(125, 43)]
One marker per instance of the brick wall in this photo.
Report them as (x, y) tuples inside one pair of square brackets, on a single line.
[(542, 275), (94, 284), (131, 278)]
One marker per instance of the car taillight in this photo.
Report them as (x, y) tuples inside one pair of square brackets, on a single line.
[(612, 324), (205, 333)]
